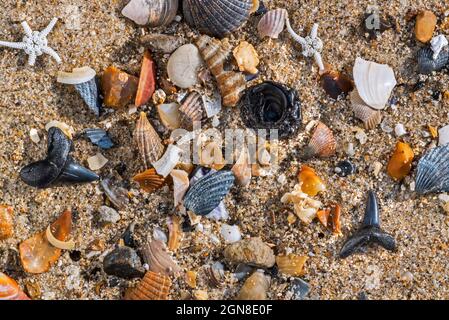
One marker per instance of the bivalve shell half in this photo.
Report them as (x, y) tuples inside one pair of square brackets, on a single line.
[(154, 13), (272, 23), (149, 180), (183, 66), (370, 117), (255, 287), (426, 63), (9, 289), (322, 144), (433, 171), (191, 111), (153, 286), (148, 141)]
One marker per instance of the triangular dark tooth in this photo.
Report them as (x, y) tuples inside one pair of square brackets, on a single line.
[(372, 211), (73, 172), (39, 174), (59, 147)]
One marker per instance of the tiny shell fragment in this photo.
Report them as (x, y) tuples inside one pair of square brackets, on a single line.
[(291, 265), (68, 130), (255, 287), (175, 233), (191, 278), (34, 136), (147, 80), (305, 207), (162, 42), (149, 180), (6, 222), (97, 162), (252, 251), (246, 57), (119, 88)]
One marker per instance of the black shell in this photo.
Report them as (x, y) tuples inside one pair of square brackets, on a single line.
[(427, 65), (433, 171), (271, 105)]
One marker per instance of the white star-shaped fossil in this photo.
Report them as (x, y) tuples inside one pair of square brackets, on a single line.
[(34, 43), (311, 45)]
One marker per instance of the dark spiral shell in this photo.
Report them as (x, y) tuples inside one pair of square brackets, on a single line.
[(427, 65), (216, 17), (271, 105), (433, 171)]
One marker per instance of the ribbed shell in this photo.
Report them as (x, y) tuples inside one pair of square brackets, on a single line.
[(149, 180), (433, 171), (206, 194), (427, 65), (9, 289), (230, 83), (191, 110), (148, 141), (272, 23), (153, 286), (155, 13), (370, 117), (255, 287), (159, 260), (322, 143), (216, 17)]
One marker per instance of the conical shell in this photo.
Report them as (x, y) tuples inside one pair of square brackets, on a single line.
[(255, 287), (191, 110), (149, 180), (180, 185), (433, 171), (159, 261), (426, 63), (206, 194), (9, 289), (322, 144), (148, 141), (154, 13), (215, 53), (216, 17), (370, 117), (291, 265), (6, 222), (153, 286), (272, 23)]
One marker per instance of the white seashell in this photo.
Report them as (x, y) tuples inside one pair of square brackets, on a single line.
[(168, 161), (399, 130), (180, 185), (219, 213), (230, 234), (34, 136), (374, 82), (212, 105), (437, 44), (443, 135), (97, 161), (272, 23), (138, 11), (77, 76), (183, 65), (159, 235), (169, 115)]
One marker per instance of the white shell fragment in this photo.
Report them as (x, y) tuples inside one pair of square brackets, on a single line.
[(374, 82), (34, 136), (64, 245), (272, 23), (77, 76), (183, 65), (180, 185), (399, 130), (138, 11), (97, 161), (437, 44), (443, 135), (169, 115), (168, 161), (212, 105), (230, 234)]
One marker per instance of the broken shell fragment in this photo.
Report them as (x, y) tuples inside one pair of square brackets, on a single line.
[(97, 162), (400, 162), (183, 66), (323, 216), (169, 115), (99, 137), (425, 25), (37, 253), (148, 141), (159, 261), (252, 251), (147, 80), (119, 88), (246, 57), (191, 278), (154, 13), (242, 168), (211, 156), (336, 222), (427, 64), (335, 83), (291, 264), (9, 289), (153, 286), (191, 111), (162, 42), (123, 262), (149, 180), (305, 207), (6, 222), (322, 144), (310, 182), (168, 161), (174, 233), (433, 171), (255, 287), (117, 195), (272, 23), (180, 185), (215, 274), (370, 117)]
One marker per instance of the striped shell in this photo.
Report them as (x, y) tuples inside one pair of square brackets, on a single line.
[(191, 110), (153, 286), (272, 23), (216, 17), (148, 141), (255, 287), (9, 289), (149, 180), (230, 83), (206, 194), (370, 117), (322, 143), (427, 65), (433, 171), (155, 13), (159, 261)]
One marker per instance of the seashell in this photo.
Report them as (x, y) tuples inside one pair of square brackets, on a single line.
[(271, 105), (310, 182), (216, 17), (322, 144), (215, 274), (180, 185), (119, 88), (148, 141), (168, 161), (242, 168), (305, 207), (97, 161), (9, 289), (159, 260), (211, 156), (147, 80), (400, 162), (191, 278), (272, 23), (425, 25), (117, 195), (215, 52), (252, 251), (291, 264), (175, 233), (154, 13), (246, 57), (34, 136), (335, 83), (255, 287), (183, 66), (230, 234), (99, 137), (170, 115), (323, 216), (433, 171), (300, 288), (215, 185), (374, 82), (336, 223), (149, 180), (159, 96), (191, 111), (426, 63), (153, 286), (86, 84), (162, 42), (37, 254), (6, 222), (370, 117)]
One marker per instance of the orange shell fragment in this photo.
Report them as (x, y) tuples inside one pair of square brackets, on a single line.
[(119, 88), (311, 183), (6, 222), (149, 180), (400, 162), (323, 216), (9, 289), (292, 264), (147, 80)]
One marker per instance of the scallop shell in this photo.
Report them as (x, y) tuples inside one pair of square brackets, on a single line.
[(242, 168), (252, 251), (215, 53), (174, 233), (159, 261), (155, 13), (191, 111), (169, 115), (180, 185), (168, 161), (183, 66), (255, 287), (9, 289), (216, 17), (6, 222), (426, 63), (149, 180), (153, 286), (148, 141), (207, 193), (291, 265), (370, 117), (322, 143), (272, 23), (433, 171), (374, 82)]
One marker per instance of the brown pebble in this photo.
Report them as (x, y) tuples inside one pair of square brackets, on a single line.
[(426, 22), (252, 251)]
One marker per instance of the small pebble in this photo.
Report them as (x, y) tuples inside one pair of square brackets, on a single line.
[(34, 136), (377, 168), (282, 179), (345, 168), (399, 130), (123, 262), (230, 234), (107, 215), (385, 126), (350, 149), (300, 288)]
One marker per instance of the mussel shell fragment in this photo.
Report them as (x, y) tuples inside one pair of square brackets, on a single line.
[(433, 171), (99, 137), (427, 65), (271, 105)]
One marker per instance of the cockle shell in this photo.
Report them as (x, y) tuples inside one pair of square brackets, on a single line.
[(6, 222), (255, 287), (155, 13), (242, 168), (426, 63), (183, 66), (216, 17), (207, 193), (374, 82), (169, 115), (9, 289), (433, 171), (149, 180), (370, 117), (322, 144), (291, 264), (215, 53), (191, 110), (147, 80), (153, 286), (272, 23), (310, 182), (175, 233), (159, 261), (180, 185), (168, 161), (252, 251), (400, 162), (148, 141)]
